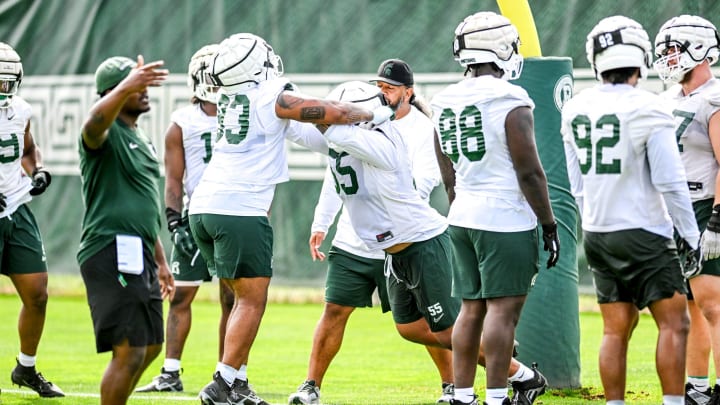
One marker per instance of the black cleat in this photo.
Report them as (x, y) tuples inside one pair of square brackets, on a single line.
[(167, 381), (30, 378)]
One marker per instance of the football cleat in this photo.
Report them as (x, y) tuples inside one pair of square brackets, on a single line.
[(459, 402), (525, 392), (167, 381), (30, 378), (307, 393), (693, 396), (448, 391)]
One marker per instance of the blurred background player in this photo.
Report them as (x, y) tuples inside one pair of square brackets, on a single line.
[(257, 111), (354, 271), (121, 257), (686, 47), (23, 254), (498, 192), (188, 149), (627, 177)]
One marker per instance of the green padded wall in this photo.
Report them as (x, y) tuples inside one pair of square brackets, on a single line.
[(549, 329)]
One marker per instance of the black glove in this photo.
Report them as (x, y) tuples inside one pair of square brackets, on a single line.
[(690, 262), (179, 233), (552, 243), (41, 180), (3, 203)]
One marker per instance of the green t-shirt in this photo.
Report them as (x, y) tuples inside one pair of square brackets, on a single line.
[(120, 186)]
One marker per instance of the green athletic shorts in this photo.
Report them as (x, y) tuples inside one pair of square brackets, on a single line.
[(234, 246), (493, 264), (703, 210), (21, 246), (351, 280), (187, 270), (419, 284), (633, 265)]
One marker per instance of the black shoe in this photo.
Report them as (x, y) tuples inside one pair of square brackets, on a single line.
[(217, 392), (29, 377), (448, 391), (459, 402), (525, 392), (715, 397), (245, 395), (693, 396), (167, 381), (506, 401)]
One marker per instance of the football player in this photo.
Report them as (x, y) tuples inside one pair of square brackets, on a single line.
[(188, 149), (686, 46), (498, 192), (257, 111), (628, 180), (354, 271), (23, 254)]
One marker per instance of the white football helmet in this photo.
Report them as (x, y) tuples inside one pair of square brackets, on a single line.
[(199, 74), (242, 61), (11, 73), (618, 42), (364, 94), (487, 37), (682, 43)]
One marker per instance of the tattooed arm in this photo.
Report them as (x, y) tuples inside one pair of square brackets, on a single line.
[(295, 106)]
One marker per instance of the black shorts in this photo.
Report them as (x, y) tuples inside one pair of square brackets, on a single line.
[(133, 311), (633, 265)]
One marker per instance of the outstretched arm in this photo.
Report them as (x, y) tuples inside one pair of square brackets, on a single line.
[(295, 106), (106, 110)]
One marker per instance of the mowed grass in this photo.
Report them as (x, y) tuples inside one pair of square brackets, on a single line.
[(374, 366)]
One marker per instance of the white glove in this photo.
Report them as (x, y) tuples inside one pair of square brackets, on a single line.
[(710, 245), (710, 240), (382, 114)]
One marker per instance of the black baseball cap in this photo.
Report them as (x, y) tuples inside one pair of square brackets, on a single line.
[(395, 72)]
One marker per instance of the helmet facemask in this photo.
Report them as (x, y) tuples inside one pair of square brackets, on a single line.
[(683, 43), (199, 78), (11, 73)]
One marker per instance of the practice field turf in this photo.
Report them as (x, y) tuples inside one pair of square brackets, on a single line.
[(374, 366)]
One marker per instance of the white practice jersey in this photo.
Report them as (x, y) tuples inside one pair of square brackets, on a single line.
[(198, 136), (621, 155), (417, 131), (470, 120), (249, 156), (372, 175), (692, 116), (14, 182)]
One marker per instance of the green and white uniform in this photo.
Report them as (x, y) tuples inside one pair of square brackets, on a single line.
[(692, 114), (249, 159), (470, 120), (20, 241), (198, 136), (354, 270), (372, 173), (626, 173)]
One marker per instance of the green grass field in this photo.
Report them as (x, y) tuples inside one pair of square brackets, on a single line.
[(374, 366)]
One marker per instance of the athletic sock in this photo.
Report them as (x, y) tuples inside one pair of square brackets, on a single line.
[(701, 383), (464, 394), (673, 399), (25, 360), (523, 374), (227, 373), (171, 365), (242, 373), (495, 396)]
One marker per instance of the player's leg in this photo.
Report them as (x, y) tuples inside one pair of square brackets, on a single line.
[(23, 259), (672, 321), (245, 264), (227, 300), (349, 284), (619, 320)]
